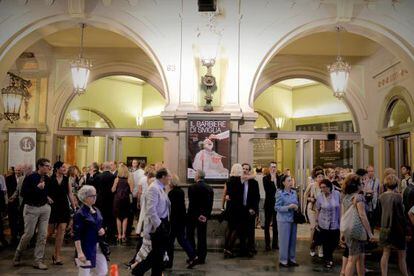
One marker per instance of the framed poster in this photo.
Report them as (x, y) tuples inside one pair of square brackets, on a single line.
[(139, 158), (208, 145), (22, 148)]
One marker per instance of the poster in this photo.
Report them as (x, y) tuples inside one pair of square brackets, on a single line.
[(22, 148), (208, 147)]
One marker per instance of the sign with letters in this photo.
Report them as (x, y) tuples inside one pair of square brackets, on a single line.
[(22, 148), (208, 146)]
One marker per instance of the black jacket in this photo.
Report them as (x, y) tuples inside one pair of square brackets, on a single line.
[(270, 190), (253, 196), (178, 211), (103, 184), (11, 184), (200, 200)]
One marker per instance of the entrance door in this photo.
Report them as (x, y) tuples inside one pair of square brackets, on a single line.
[(397, 151)]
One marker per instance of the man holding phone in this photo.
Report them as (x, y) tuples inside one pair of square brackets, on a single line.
[(36, 212)]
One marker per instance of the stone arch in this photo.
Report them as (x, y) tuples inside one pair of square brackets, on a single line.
[(99, 114), (396, 93), (66, 94), (27, 35), (389, 39), (267, 117), (353, 100)]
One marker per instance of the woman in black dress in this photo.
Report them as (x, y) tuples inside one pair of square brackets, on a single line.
[(234, 208), (61, 198), (122, 188)]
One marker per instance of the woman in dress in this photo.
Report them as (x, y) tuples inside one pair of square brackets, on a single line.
[(61, 198), (394, 223), (354, 252), (234, 208), (328, 210), (311, 193), (87, 228), (122, 188), (286, 204)]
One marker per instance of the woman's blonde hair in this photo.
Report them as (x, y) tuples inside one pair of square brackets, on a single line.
[(236, 170), (123, 171), (175, 180), (391, 181), (389, 171)]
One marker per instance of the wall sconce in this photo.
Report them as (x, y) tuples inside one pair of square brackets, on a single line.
[(139, 120), (279, 122), (13, 95)]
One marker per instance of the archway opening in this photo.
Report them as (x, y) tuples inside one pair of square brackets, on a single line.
[(115, 103)]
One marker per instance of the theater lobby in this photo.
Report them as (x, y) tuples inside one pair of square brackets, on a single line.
[(201, 85)]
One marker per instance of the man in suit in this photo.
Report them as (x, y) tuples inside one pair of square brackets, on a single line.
[(251, 198), (157, 226), (270, 184), (13, 203), (200, 204), (104, 201)]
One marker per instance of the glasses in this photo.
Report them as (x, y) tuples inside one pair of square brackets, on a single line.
[(322, 187), (91, 195), (47, 165), (273, 167), (246, 169)]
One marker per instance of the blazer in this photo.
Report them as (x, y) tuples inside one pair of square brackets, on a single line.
[(270, 190), (178, 210), (253, 195), (103, 184), (283, 200), (200, 200), (85, 229), (11, 184)]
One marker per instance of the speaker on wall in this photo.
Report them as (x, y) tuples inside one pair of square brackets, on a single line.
[(145, 133), (87, 132), (207, 5), (273, 135), (331, 136)]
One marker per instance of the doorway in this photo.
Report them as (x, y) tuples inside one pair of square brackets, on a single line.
[(397, 151)]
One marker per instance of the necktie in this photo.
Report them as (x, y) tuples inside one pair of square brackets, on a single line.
[(245, 193)]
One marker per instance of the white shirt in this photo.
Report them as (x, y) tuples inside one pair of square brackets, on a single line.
[(137, 175), (157, 207), (245, 192), (259, 179)]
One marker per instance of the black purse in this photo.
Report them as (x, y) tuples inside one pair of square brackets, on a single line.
[(104, 246), (298, 217)]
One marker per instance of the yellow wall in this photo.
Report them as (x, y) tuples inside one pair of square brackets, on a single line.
[(306, 105), (152, 148), (122, 101)]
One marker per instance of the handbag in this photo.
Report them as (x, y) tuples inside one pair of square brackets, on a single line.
[(104, 246), (351, 225), (298, 217)]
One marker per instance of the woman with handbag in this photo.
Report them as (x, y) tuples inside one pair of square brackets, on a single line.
[(286, 204), (311, 193), (355, 222), (393, 225), (87, 228), (328, 210)]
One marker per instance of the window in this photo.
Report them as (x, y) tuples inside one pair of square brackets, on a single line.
[(397, 114)]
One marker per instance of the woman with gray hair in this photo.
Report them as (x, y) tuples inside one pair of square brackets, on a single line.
[(87, 228)]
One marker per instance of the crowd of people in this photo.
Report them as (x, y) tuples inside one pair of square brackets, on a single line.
[(99, 207)]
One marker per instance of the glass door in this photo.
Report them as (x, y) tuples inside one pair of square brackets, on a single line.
[(397, 151)]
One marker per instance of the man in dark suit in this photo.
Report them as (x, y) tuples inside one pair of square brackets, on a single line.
[(270, 184), (13, 203), (104, 201), (251, 198), (200, 204)]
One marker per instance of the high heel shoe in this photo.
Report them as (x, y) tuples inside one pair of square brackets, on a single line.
[(228, 254), (55, 261)]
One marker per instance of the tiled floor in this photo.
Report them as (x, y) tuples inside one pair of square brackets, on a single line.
[(262, 264)]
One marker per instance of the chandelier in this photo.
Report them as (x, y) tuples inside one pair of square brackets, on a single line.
[(339, 72), (80, 68), (13, 95)]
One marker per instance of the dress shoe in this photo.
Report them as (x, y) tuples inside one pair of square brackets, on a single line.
[(16, 261), (192, 263), (268, 248), (283, 265), (40, 266), (290, 263)]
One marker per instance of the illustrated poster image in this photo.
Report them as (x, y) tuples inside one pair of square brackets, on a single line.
[(209, 147)]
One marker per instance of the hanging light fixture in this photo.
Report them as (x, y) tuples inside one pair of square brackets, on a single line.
[(339, 71), (80, 68), (13, 96)]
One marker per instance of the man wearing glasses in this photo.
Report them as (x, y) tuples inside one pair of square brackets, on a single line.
[(36, 212), (270, 184)]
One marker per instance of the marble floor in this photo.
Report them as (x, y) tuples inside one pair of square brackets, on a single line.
[(264, 263)]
